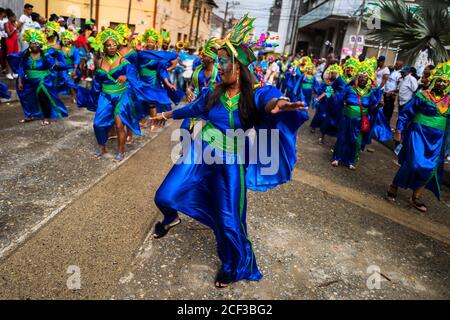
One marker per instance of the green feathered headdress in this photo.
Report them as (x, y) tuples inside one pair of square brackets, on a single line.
[(366, 69), (125, 32), (152, 34), (303, 62), (371, 62), (67, 35), (442, 71), (334, 68), (353, 64), (108, 34), (234, 41), (35, 36), (53, 27), (210, 48), (166, 37)]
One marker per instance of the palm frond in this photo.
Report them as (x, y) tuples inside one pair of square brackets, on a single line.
[(428, 26)]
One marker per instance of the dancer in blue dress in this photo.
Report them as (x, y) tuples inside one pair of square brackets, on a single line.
[(215, 193), (306, 85), (327, 114), (356, 103), (421, 129), (36, 86), (114, 95), (72, 76)]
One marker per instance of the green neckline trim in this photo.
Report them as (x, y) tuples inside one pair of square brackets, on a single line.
[(113, 69), (231, 104), (362, 95)]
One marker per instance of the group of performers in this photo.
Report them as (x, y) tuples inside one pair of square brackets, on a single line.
[(227, 91)]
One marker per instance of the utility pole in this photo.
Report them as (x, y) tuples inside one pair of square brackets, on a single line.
[(192, 19), (225, 19), (129, 11), (199, 9), (154, 14), (358, 31), (297, 15), (91, 13)]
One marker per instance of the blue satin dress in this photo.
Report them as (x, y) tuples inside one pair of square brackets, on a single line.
[(303, 90), (293, 76), (380, 128), (37, 76), (4, 91), (422, 156), (328, 111), (152, 73), (216, 194), (109, 99), (350, 140), (65, 82)]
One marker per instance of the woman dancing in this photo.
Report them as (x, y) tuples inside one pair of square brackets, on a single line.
[(421, 129), (215, 194)]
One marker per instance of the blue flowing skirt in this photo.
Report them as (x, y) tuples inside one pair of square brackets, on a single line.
[(30, 102), (421, 159), (109, 107), (216, 196)]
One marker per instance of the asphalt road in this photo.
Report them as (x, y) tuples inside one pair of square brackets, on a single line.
[(328, 234)]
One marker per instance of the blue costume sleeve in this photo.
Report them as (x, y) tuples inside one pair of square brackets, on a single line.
[(283, 124), (297, 88), (407, 114), (195, 108), (75, 56), (145, 56), (264, 95)]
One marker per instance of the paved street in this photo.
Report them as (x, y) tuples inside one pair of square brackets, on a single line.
[(314, 237)]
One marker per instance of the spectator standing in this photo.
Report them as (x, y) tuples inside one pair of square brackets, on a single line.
[(12, 42), (25, 23), (3, 36), (62, 24), (382, 72), (407, 87), (82, 44), (272, 72), (390, 90)]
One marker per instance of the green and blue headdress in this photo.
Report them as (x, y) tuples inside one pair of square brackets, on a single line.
[(152, 34), (166, 37), (108, 34), (52, 27), (35, 36), (67, 35), (210, 48), (125, 32), (234, 41), (442, 71)]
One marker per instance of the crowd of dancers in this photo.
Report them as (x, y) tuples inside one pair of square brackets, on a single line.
[(228, 91)]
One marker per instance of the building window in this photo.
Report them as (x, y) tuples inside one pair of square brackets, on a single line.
[(179, 36), (185, 5), (209, 17)]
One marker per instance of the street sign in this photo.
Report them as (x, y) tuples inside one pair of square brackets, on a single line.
[(352, 40), (360, 40)]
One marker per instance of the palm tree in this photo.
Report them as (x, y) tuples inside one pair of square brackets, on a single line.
[(413, 28)]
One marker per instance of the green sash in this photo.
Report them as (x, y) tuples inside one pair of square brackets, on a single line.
[(354, 112), (438, 122)]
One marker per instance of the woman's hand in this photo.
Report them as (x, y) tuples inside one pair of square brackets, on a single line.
[(20, 84), (121, 79), (158, 121), (283, 105), (189, 95), (397, 136), (171, 87)]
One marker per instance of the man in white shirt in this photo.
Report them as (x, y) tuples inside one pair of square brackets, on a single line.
[(25, 23), (407, 87), (382, 72), (62, 24), (390, 90), (272, 72)]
